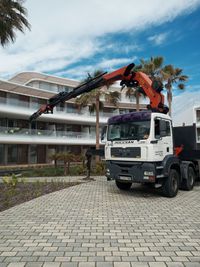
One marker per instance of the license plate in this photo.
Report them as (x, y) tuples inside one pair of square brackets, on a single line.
[(125, 178)]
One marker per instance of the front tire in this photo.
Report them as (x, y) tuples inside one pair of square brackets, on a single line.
[(171, 184), (123, 186)]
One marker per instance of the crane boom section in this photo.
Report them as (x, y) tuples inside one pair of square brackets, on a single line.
[(128, 78)]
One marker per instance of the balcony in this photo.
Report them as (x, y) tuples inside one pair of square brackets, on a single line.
[(22, 109), (16, 135)]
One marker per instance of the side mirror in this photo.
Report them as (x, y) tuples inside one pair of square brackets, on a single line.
[(103, 134)]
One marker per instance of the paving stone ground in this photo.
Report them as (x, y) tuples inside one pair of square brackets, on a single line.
[(97, 225)]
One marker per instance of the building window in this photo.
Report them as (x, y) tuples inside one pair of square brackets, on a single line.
[(60, 106), (60, 129), (124, 111), (198, 115), (36, 103), (3, 122), (13, 99), (71, 108), (2, 154), (41, 127), (64, 88), (24, 100), (33, 154), (22, 152), (12, 154), (41, 154), (34, 84), (17, 154), (2, 97)]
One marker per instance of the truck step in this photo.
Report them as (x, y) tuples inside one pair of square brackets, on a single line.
[(160, 176), (159, 167), (157, 185)]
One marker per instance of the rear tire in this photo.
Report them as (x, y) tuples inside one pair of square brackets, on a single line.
[(188, 183), (171, 184), (123, 186)]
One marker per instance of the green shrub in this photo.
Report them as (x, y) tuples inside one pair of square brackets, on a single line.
[(100, 168), (43, 172), (78, 170), (10, 181)]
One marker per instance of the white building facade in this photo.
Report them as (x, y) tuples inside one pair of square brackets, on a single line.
[(187, 117), (67, 129)]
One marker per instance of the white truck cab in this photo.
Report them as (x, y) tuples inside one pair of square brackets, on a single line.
[(139, 136), (139, 148)]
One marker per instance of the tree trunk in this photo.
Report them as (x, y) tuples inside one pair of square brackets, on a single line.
[(68, 167), (55, 163), (168, 86), (97, 125), (137, 101), (169, 99), (65, 168)]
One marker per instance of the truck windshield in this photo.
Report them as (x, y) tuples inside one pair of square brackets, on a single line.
[(129, 130)]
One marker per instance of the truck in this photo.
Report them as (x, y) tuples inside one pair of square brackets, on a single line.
[(142, 147)]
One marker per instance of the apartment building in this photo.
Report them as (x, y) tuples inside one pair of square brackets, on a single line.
[(188, 116), (67, 129)]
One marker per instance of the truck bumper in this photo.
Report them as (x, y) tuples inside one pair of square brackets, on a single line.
[(138, 172)]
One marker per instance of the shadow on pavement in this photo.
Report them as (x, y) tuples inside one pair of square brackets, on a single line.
[(138, 190)]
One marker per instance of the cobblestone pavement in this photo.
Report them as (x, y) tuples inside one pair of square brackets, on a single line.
[(96, 225)]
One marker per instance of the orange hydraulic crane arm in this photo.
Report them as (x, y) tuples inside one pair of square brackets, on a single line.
[(127, 77), (132, 79)]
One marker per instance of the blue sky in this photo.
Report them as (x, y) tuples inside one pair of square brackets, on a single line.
[(178, 41), (71, 38)]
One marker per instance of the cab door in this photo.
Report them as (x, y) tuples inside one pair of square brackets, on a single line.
[(163, 135)]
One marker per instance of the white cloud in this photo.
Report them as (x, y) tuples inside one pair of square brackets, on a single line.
[(110, 63), (64, 32), (158, 39), (105, 64)]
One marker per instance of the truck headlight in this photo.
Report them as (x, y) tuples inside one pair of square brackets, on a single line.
[(108, 171), (148, 173)]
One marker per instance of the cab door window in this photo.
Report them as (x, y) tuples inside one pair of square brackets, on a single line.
[(162, 128)]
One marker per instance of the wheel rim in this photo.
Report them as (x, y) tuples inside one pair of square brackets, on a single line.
[(191, 178), (174, 183)]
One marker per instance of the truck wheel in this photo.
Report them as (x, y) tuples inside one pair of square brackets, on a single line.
[(188, 183), (171, 184), (123, 186)]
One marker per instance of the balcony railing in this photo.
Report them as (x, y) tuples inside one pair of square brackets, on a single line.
[(17, 131), (33, 106)]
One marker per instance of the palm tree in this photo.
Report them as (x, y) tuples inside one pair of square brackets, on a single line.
[(12, 17), (172, 75), (167, 74), (93, 99), (67, 158), (55, 157), (152, 67)]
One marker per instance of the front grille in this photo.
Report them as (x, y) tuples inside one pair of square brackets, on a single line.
[(128, 152)]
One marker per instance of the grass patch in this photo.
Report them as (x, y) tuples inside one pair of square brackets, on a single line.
[(98, 169), (14, 193)]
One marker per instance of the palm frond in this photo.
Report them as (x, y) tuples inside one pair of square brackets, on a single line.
[(130, 92), (168, 69), (158, 62), (113, 97), (183, 78), (181, 86), (178, 71), (12, 17)]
